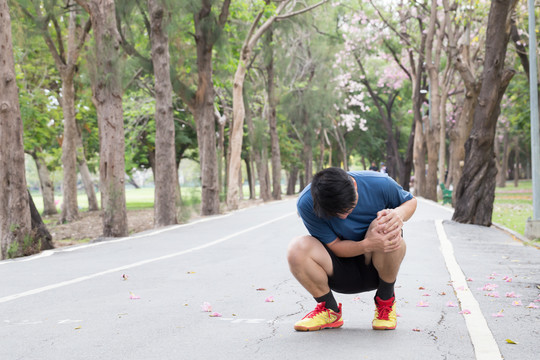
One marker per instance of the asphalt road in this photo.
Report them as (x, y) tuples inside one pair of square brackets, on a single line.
[(142, 297)]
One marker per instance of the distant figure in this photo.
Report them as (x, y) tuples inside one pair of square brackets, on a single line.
[(383, 168), (373, 167)]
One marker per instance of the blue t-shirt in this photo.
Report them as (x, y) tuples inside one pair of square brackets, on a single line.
[(376, 192)]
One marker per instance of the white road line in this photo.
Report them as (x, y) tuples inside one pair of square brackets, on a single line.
[(139, 263), (485, 346), (81, 247)]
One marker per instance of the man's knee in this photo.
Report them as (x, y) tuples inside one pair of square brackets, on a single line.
[(299, 249)]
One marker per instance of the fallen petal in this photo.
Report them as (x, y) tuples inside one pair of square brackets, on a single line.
[(215, 314), (517, 303), (416, 329), (261, 289), (422, 304), (532, 306), (421, 288), (470, 279), (132, 296), (125, 277), (465, 311), (451, 304), (512, 295), (269, 299), (499, 314), (494, 294), (206, 307), (426, 294), (511, 341)]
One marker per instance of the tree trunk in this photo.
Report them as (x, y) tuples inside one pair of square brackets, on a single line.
[(39, 230), (166, 178), (15, 221), (272, 119), (85, 175), (107, 97), (516, 161), (503, 171), (250, 178), (475, 192), (204, 110), (291, 181), (69, 210), (46, 185), (419, 160), (459, 135)]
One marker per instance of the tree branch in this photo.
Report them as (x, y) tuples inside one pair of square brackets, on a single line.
[(301, 11), (224, 13)]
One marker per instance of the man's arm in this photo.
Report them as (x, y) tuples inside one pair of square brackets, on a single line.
[(384, 233)]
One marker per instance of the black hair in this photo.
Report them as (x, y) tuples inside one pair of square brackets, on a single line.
[(333, 192)]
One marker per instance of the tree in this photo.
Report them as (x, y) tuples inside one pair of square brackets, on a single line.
[(239, 113), (66, 63), (475, 192), (166, 177), (107, 96), (16, 237)]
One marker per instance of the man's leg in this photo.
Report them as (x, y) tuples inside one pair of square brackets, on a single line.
[(387, 265), (311, 265)]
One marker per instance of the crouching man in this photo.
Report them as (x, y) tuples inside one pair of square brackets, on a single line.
[(355, 243)]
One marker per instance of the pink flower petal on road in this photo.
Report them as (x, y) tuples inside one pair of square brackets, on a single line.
[(517, 303), (132, 296), (206, 307), (489, 287), (512, 295), (416, 329), (493, 294), (426, 294), (269, 299), (532, 306), (261, 289), (470, 279), (465, 311), (499, 314), (451, 304), (422, 304), (215, 314)]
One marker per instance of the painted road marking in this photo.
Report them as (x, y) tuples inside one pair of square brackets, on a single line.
[(485, 346), (139, 263)]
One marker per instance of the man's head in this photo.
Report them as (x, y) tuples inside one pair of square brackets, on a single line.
[(333, 192)]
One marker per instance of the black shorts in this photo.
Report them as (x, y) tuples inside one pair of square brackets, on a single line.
[(352, 275)]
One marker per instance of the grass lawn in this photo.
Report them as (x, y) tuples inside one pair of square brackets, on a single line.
[(136, 199), (513, 205)]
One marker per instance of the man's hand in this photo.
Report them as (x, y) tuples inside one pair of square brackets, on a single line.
[(384, 237), (389, 220)]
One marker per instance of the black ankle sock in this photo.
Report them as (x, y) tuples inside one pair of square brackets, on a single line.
[(385, 290), (329, 300)]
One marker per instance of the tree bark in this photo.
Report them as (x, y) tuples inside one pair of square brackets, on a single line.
[(475, 192), (46, 184), (166, 178), (203, 105), (69, 210), (107, 97), (419, 160), (85, 175), (272, 119), (15, 221), (39, 231)]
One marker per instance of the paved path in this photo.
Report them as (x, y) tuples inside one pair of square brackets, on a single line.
[(74, 303)]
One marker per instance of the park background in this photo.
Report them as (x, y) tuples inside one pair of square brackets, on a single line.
[(270, 92)]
